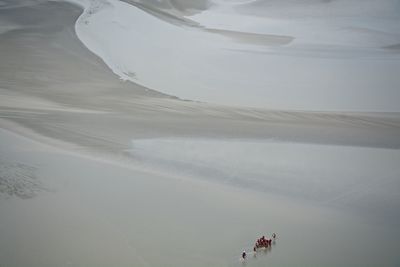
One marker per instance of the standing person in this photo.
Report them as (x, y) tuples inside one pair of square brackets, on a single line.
[(244, 255), (273, 235)]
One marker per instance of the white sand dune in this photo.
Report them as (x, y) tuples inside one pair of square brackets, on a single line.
[(256, 59)]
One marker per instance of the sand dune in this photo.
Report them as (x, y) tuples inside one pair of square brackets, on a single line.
[(335, 65), (99, 171)]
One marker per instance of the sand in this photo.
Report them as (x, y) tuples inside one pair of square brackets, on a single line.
[(289, 58), (99, 171), (94, 211)]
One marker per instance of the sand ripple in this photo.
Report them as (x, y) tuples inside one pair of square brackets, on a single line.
[(18, 179)]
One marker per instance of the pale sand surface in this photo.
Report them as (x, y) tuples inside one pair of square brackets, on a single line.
[(292, 57), (93, 212), (83, 183)]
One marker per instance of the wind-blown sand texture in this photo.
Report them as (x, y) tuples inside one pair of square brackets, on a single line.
[(97, 171)]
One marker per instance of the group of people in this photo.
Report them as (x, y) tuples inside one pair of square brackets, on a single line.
[(262, 242)]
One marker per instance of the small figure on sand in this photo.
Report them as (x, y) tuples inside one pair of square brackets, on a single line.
[(244, 254), (273, 235)]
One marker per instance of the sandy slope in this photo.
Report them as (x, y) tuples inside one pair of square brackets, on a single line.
[(52, 87), (291, 57), (96, 212), (99, 196), (52, 84)]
